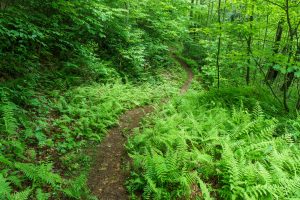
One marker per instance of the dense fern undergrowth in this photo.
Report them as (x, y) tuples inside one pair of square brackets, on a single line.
[(42, 149), (198, 148)]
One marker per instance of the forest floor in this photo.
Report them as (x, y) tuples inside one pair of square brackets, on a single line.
[(107, 175)]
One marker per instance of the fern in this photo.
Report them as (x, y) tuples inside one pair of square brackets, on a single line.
[(40, 195), (8, 115), (258, 112), (41, 173), (24, 195), (5, 161), (204, 190), (194, 145), (76, 187), (5, 188), (15, 180)]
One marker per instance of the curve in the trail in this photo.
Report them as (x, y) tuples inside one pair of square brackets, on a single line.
[(107, 177)]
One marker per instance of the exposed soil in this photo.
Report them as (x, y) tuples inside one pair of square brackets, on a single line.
[(190, 74), (107, 176)]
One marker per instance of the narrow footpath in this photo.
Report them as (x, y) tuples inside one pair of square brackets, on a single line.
[(107, 176)]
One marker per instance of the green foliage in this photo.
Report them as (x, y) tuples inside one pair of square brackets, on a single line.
[(5, 188), (87, 112), (8, 115), (30, 147), (40, 195), (77, 188), (68, 69), (190, 150), (24, 195), (40, 174), (248, 42), (228, 97)]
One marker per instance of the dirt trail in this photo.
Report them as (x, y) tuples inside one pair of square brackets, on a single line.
[(107, 177)]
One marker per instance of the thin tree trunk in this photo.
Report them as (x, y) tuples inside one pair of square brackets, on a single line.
[(272, 73), (288, 77), (266, 31), (224, 11), (264, 43), (208, 14), (285, 104), (219, 43), (3, 5), (192, 10), (298, 101), (192, 26), (298, 59), (249, 41), (212, 10)]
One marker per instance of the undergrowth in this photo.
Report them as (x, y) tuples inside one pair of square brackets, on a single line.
[(42, 144), (196, 150)]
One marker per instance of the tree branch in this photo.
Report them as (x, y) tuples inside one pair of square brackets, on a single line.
[(276, 4)]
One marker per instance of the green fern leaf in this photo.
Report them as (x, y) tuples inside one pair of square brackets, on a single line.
[(8, 113), (24, 195), (5, 188), (40, 195)]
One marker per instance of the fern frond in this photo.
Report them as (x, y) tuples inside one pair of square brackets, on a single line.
[(8, 115), (258, 112), (41, 173), (15, 180), (204, 190), (259, 191), (264, 174), (5, 161), (288, 138), (40, 195), (267, 132), (24, 195), (76, 187), (5, 188)]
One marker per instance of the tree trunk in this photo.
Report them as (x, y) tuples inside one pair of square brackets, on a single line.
[(192, 10), (298, 103), (219, 43), (266, 31), (288, 77), (285, 104), (208, 14), (192, 25), (272, 73), (288, 82), (2, 5), (249, 41), (298, 60)]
